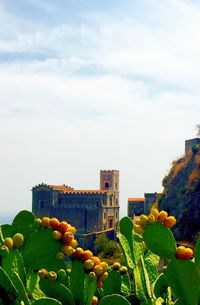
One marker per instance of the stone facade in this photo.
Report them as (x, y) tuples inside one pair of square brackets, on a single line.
[(138, 206), (88, 210)]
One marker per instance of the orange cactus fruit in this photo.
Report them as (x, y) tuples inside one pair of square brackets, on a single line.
[(151, 219), (43, 273), (94, 300), (18, 240), (78, 253), (68, 250), (137, 221), (188, 253), (105, 266), (98, 270), (184, 253), (87, 254), (52, 275), (71, 229), (96, 260), (60, 256), (68, 237), (74, 243), (56, 234), (116, 266), (45, 222), (8, 241), (138, 229), (143, 220), (92, 275), (63, 226), (88, 264), (103, 276), (162, 216), (54, 223), (155, 213), (169, 222)]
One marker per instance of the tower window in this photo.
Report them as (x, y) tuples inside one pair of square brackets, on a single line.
[(106, 185), (42, 203), (110, 223)]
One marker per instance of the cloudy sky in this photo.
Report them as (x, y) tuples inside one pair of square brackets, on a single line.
[(95, 84)]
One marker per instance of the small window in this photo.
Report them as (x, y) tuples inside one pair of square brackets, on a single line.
[(106, 185), (42, 204), (104, 215), (110, 223)]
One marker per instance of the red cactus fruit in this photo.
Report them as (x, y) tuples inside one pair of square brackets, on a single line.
[(57, 235), (99, 284), (88, 264), (78, 253), (8, 241), (170, 221), (54, 223), (45, 222), (18, 240), (63, 226)]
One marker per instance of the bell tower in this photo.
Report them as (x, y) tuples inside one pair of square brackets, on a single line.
[(109, 180)]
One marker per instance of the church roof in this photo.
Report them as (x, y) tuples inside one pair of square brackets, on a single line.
[(135, 199), (69, 190)]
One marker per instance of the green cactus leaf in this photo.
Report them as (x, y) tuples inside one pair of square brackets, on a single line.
[(7, 287), (40, 251), (58, 291), (89, 289), (77, 278), (33, 287), (197, 252), (126, 251), (126, 228), (46, 301), (112, 284), (126, 284), (13, 262), (160, 240), (22, 295), (145, 279), (114, 299), (140, 290), (184, 279), (151, 261), (161, 285), (5, 231), (23, 223)]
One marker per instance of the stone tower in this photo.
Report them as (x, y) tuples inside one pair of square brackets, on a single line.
[(109, 181)]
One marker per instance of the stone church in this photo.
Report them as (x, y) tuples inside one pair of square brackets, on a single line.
[(88, 210)]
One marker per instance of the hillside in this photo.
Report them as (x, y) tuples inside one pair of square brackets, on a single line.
[(181, 194)]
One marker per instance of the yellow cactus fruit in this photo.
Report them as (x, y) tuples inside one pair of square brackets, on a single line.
[(43, 273), (105, 266), (170, 221), (137, 221), (87, 254), (18, 240), (60, 256), (94, 300), (151, 219), (116, 266), (92, 275), (45, 222), (96, 260), (155, 213), (88, 264), (74, 243), (143, 220), (103, 276), (71, 229), (98, 270), (123, 270), (68, 250), (162, 216), (52, 275), (138, 229), (56, 234), (8, 241)]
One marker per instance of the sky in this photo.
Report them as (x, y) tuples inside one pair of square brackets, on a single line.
[(87, 85)]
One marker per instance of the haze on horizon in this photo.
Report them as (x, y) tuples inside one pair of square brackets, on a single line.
[(91, 85)]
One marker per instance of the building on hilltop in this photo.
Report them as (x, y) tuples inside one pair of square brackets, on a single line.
[(138, 206), (88, 210)]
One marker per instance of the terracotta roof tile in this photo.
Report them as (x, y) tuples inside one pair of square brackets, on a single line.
[(135, 199)]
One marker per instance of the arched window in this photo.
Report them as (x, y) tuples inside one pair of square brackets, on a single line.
[(106, 185)]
